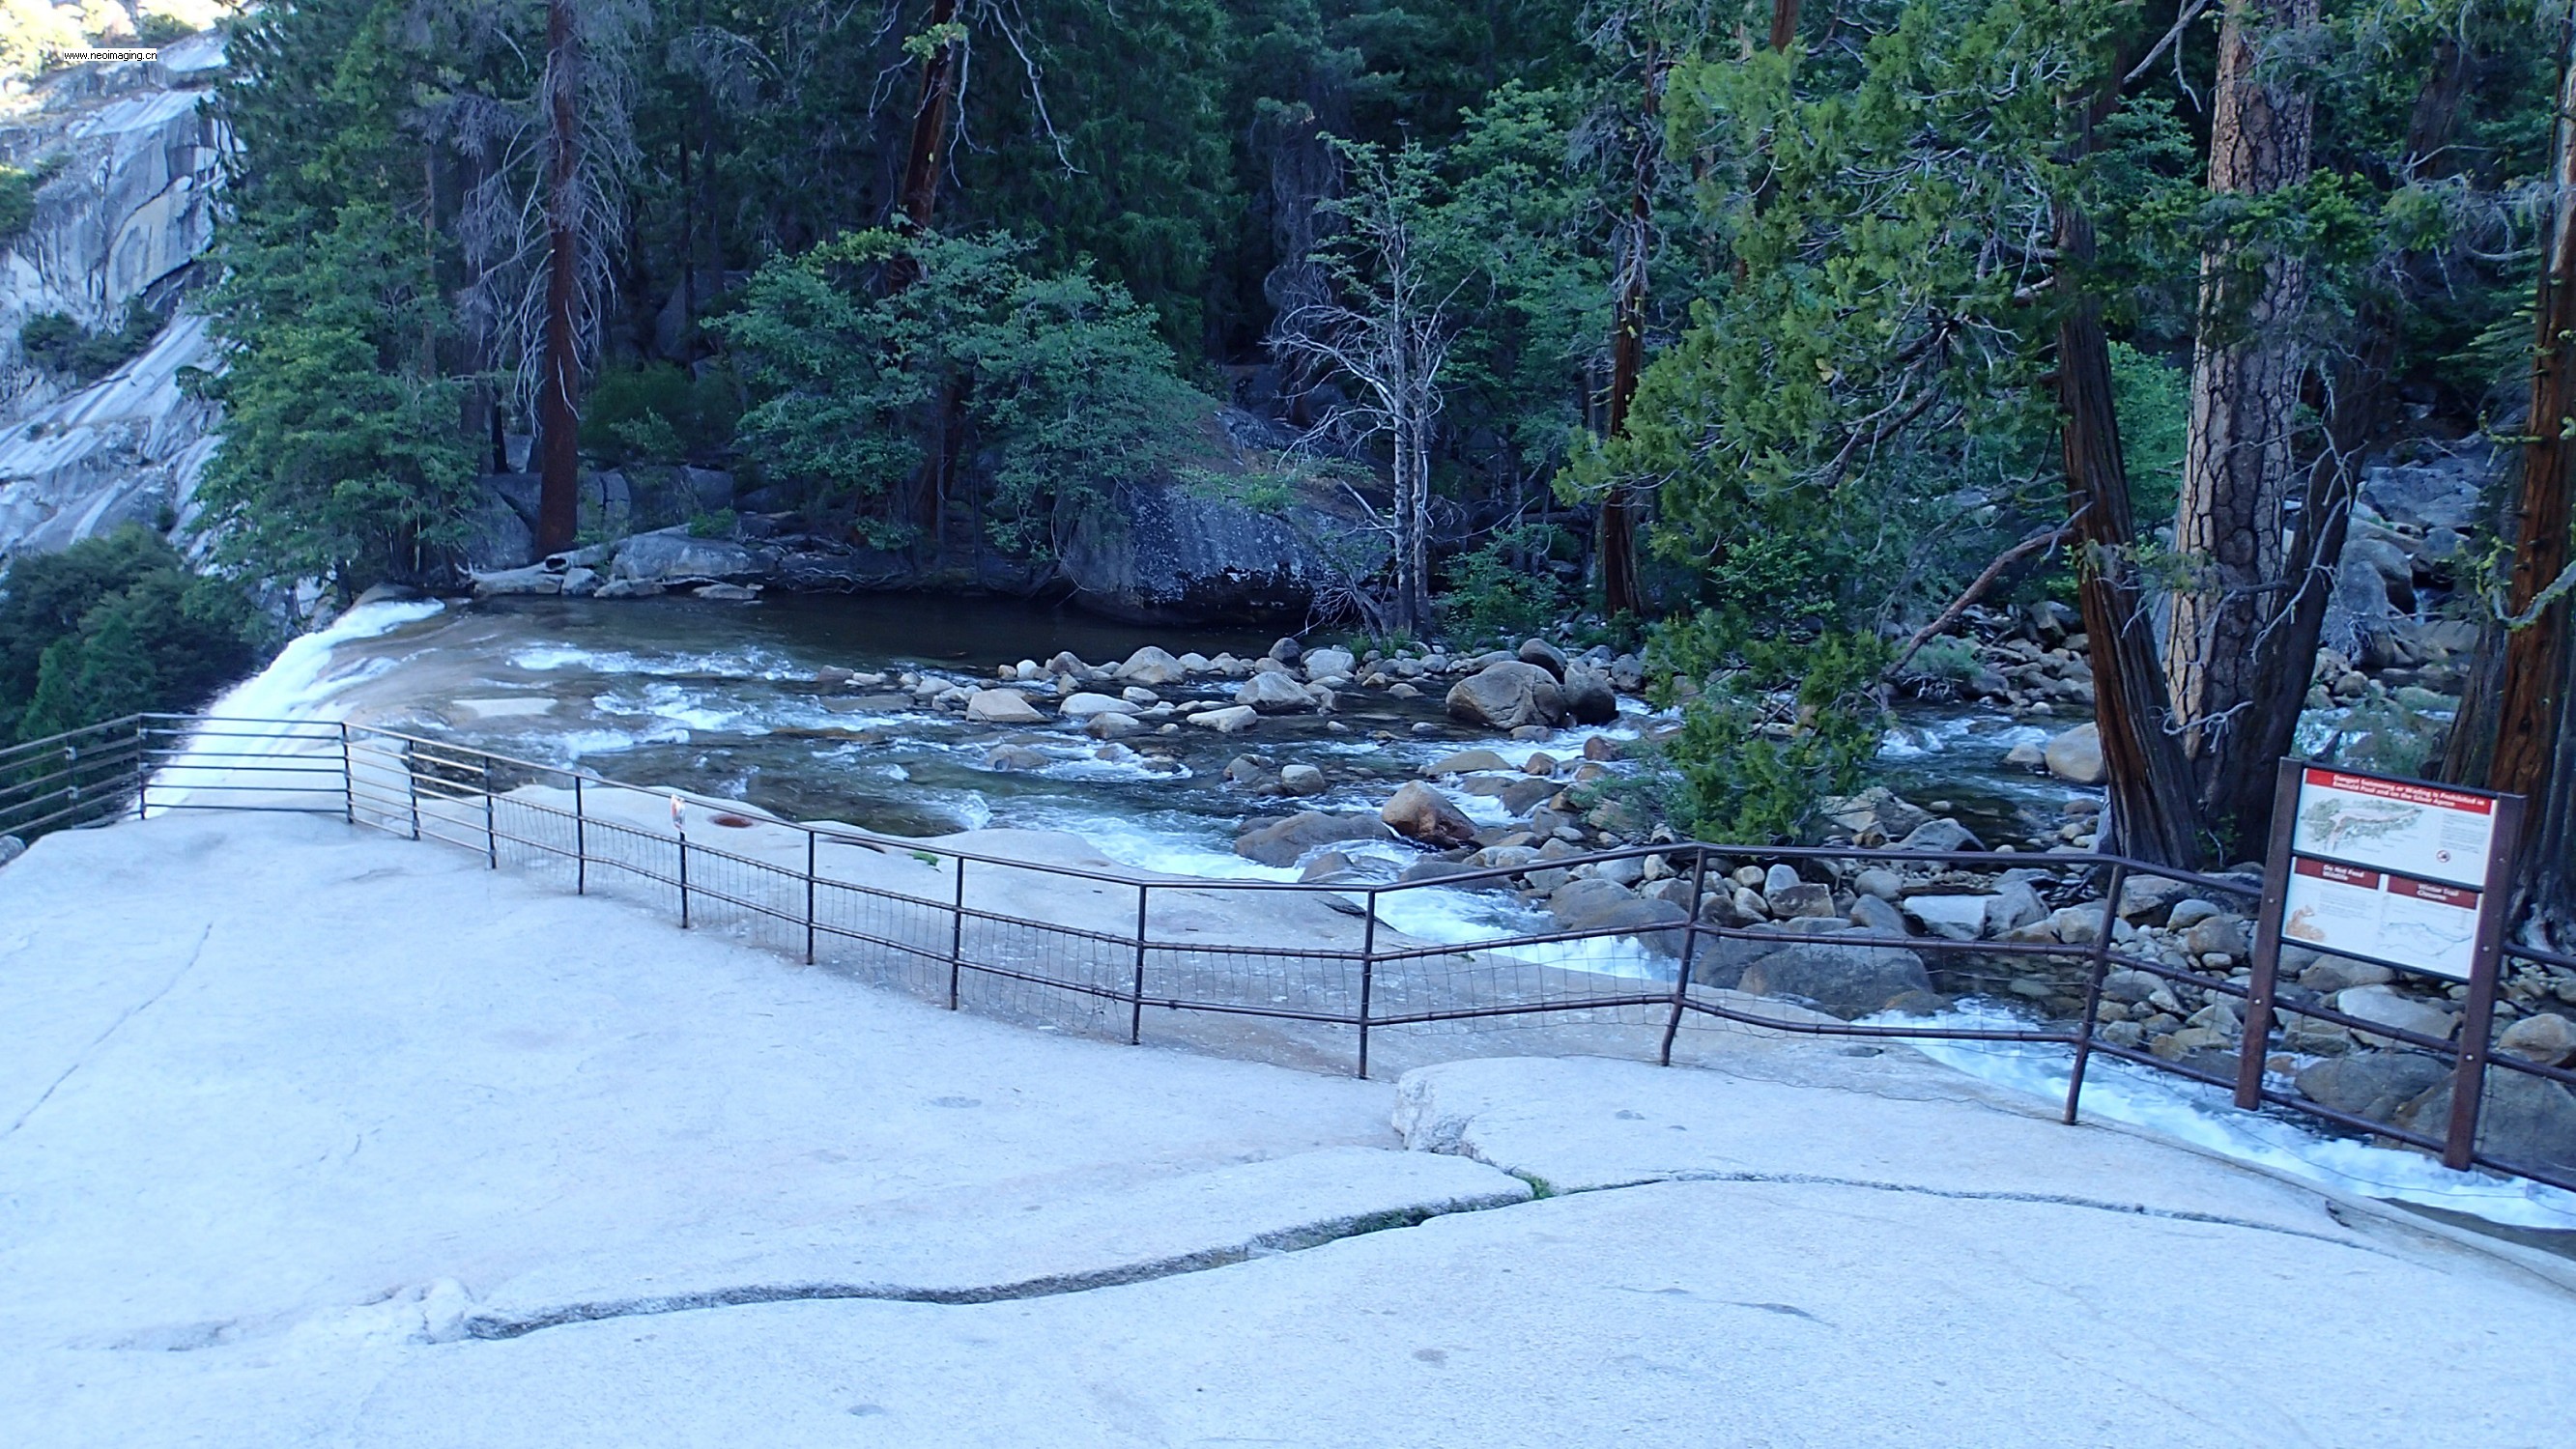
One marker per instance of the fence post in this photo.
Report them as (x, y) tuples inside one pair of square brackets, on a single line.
[(1136, 1001), (809, 896), (683, 832), (491, 820), (1690, 952), (957, 935), (580, 841), (2098, 968), (142, 768), (411, 784), (348, 779), (1368, 975)]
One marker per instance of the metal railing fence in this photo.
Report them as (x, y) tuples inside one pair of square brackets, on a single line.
[(1095, 949)]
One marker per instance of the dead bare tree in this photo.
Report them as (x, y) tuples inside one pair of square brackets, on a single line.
[(1383, 326)]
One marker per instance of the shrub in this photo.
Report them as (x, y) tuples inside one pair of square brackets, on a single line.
[(18, 188), (656, 412), (1504, 589), (57, 343), (1782, 721), (114, 625)]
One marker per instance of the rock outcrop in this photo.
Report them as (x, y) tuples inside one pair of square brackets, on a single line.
[(129, 209)]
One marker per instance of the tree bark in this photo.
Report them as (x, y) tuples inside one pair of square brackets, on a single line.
[(1622, 589), (1784, 24), (2154, 814), (929, 149), (558, 395), (2531, 707), (2239, 793), (2247, 367)]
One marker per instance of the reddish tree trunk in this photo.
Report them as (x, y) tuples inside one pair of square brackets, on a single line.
[(2153, 812), (2531, 708), (558, 407), (929, 149)]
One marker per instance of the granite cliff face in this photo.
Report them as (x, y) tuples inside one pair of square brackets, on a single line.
[(135, 159)]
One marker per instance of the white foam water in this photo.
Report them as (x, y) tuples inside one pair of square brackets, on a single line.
[(297, 685), (2205, 1118)]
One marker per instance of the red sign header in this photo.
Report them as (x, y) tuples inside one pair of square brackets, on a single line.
[(2412, 794)]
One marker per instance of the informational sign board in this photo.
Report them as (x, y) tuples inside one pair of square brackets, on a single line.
[(2387, 870), (2404, 873)]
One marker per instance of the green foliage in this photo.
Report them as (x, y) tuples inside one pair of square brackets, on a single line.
[(1503, 589), (53, 340), (341, 457), (719, 524), (18, 188), (114, 625), (657, 412), (2153, 400), (1058, 384), (1778, 722), (1947, 658)]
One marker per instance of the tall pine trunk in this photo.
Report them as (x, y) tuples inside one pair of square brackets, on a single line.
[(2531, 713), (2154, 814), (2242, 455), (2239, 781), (558, 395)]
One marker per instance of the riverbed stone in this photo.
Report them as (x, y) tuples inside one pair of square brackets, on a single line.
[(1325, 663), (1274, 692), (2028, 755), (1084, 705), (2523, 1119), (1231, 720), (2548, 1039), (11, 847), (1113, 726), (1588, 696), (1950, 917), (1150, 665), (1302, 780), (1804, 899), (2217, 935), (1284, 841), (1507, 696), (1421, 813), (1876, 808), (1467, 762), (1543, 654), (2385, 1007), (2328, 975), (1001, 706), (1876, 914), (1015, 757), (1844, 980), (2189, 912), (1941, 835), (1879, 881), (2076, 756), (2148, 897)]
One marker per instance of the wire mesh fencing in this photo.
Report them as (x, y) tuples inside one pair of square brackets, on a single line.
[(1341, 973)]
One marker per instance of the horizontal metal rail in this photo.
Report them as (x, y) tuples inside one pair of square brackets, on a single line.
[(424, 787)]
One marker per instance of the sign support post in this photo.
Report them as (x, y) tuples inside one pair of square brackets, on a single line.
[(2477, 1023)]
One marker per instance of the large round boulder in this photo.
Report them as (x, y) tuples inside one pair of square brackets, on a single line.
[(1419, 813), (1508, 695), (2076, 756)]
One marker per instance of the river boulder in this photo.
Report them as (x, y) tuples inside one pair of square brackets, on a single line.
[(2076, 756), (1151, 666), (1507, 696), (1272, 691), (1845, 980), (1001, 706), (1282, 843), (1082, 706), (1422, 814), (1589, 699)]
